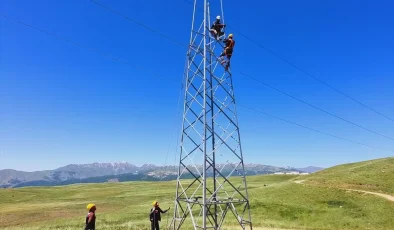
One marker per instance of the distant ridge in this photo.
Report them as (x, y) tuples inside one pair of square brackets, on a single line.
[(122, 171), (310, 169)]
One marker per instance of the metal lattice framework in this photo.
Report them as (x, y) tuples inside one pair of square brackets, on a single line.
[(211, 179)]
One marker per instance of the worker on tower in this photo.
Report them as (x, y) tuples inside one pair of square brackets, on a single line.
[(228, 50), (90, 223), (154, 215), (216, 28)]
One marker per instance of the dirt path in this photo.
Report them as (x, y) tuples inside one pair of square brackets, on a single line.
[(388, 197), (258, 228)]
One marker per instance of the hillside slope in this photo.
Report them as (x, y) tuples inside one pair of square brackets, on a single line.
[(374, 175), (276, 202)]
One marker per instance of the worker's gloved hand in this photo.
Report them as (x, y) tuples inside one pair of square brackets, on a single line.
[(168, 208)]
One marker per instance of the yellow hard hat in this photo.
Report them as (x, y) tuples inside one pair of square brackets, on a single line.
[(230, 35), (90, 206), (154, 203)]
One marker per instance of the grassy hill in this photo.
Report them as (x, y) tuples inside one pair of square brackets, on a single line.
[(276, 202), (375, 175)]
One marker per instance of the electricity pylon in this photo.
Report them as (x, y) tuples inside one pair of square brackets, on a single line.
[(211, 179)]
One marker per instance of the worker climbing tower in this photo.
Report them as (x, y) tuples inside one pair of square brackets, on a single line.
[(211, 189)]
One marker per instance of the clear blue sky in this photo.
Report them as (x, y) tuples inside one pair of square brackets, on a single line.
[(61, 104)]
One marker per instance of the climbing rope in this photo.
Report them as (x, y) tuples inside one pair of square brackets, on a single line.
[(221, 9), (170, 141)]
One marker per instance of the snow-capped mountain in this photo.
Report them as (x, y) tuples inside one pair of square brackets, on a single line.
[(102, 172)]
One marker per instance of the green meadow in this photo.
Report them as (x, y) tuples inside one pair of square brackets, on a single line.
[(316, 201)]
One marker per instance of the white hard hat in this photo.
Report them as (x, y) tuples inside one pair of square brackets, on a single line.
[(218, 17)]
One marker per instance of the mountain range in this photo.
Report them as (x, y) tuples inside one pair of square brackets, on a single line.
[(110, 172)]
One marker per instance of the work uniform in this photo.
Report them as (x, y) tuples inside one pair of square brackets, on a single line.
[(155, 217), (92, 224), (217, 28), (228, 50)]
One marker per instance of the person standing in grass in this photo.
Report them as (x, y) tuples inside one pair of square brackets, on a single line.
[(90, 223), (154, 215)]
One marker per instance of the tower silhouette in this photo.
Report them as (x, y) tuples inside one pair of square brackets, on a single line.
[(211, 184)]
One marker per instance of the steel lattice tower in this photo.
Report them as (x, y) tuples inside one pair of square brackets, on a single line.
[(211, 179)]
